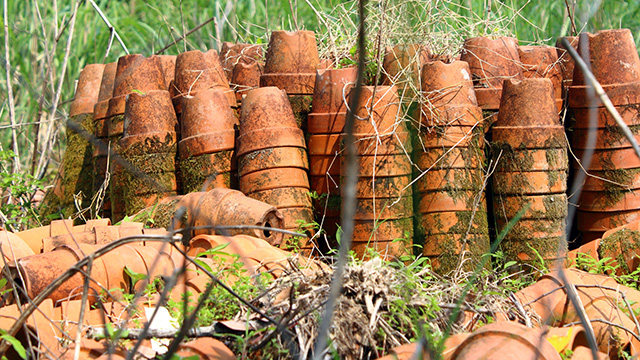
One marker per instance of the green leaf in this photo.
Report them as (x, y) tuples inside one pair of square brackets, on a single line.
[(17, 346), (134, 276)]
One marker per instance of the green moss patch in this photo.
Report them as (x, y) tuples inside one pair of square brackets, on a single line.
[(621, 245), (301, 106), (196, 171)]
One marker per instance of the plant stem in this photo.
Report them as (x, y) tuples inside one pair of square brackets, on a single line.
[(10, 99)]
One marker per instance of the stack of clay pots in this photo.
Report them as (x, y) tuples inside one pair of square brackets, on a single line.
[(542, 62), (168, 63), (149, 144), (272, 157), (196, 71), (449, 153), (291, 63), (243, 64), (491, 61), (326, 124), (610, 197), (384, 205), (77, 163), (134, 74), (208, 141), (531, 172), (101, 132)]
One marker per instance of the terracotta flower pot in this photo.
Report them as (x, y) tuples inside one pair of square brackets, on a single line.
[(506, 340), (396, 143), (402, 63), (291, 62), (530, 182), (168, 69), (87, 90), (272, 179), (460, 200), (323, 165), (275, 157), (13, 247), (382, 117), (197, 71), (387, 250), (453, 222), (383, 208), (234, 54), (381, 165), (245, 77), (542, 62), (285, 197), (455, 158), (106, 91), (329, 109), (266, 107), (451, 179), (599, 222), (206, 348), (550, 206), (491, 62), (447, 85), (528, 102), (39, 330), (231, 207), (384, 186), (530, 137), (628, 112), (451, 136), (567, 64)]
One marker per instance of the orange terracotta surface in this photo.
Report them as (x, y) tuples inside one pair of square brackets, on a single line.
[(196, 71), (567, 63), (245, 77), (377, 110), (451, 136), (272, 179), (528, 102), (459, 179), (451, 115), (629, 113), (531, 137), (268, 138), (454, 158), (381, 165), (542, 62), (87, 90), (271, 158), (404, 61), (439, 201), (530, 182), (447, 84), (384, 186), (331, 89), (398, 142), (507, 206)]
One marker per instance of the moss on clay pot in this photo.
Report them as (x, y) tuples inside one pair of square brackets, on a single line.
[(195, 171), (435, 224), (532, 250), (620, 245), (301, 106), (448, 248)]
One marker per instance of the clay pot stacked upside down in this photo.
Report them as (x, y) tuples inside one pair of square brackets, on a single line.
[(384, 205), (452, 210), (272, 157), (208, 141), (77, 163), (567, 64), (491, 61), (134, 74), (402, 65), (531, 171), (196, 71), (542, 62), (291, 64), (243, 64), (101, 132), (612, 200), (150, 146), (326, 124)]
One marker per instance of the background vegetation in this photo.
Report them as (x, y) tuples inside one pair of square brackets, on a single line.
[(47, 46)]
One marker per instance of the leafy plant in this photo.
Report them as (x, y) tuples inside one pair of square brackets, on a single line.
[(17, 191)]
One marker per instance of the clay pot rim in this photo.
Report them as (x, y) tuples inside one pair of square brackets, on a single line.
[(618, 94)]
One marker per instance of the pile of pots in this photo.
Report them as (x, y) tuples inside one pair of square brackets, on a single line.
[(449, 153), (384, 209), (609, 198), (541, 62), (325, 128), (149, 145), (134, 74), (208, 141), (272, 158), (243, 64), (290, 65), (530, 152)]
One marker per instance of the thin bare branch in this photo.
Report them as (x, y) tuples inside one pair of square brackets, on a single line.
[(10, 99)]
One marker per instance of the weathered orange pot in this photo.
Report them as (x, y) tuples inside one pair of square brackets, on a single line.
[(539, 206), (196, 71), (275, 157), (148, 113), (266, 107), (384, 186), (269, 138), (451, 115), (610, 201), (530, 137), (324, 144), (245, 77), (403, 62), (398, 142), (381, 165), (446, 179), (456, 158), (447, 85), (383, 230), (440, 201), (611, 159), (291, 62), (233, 54), (13, 247), (628, 112), (231, 207), (383, 208), (612, 56), (206, 348), (506, 340), (542, 62), (382, 118), (33, 237), (330, 93), (207, 124), (87, 90), (605, 139), (528, 102), (322, 165), (284, 197), (168, 68), (599, 222), (325, 184), (451, 136), (491, 62), (530, 182), (39, 330), (272, 179), (387, 250), (567, 63)]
